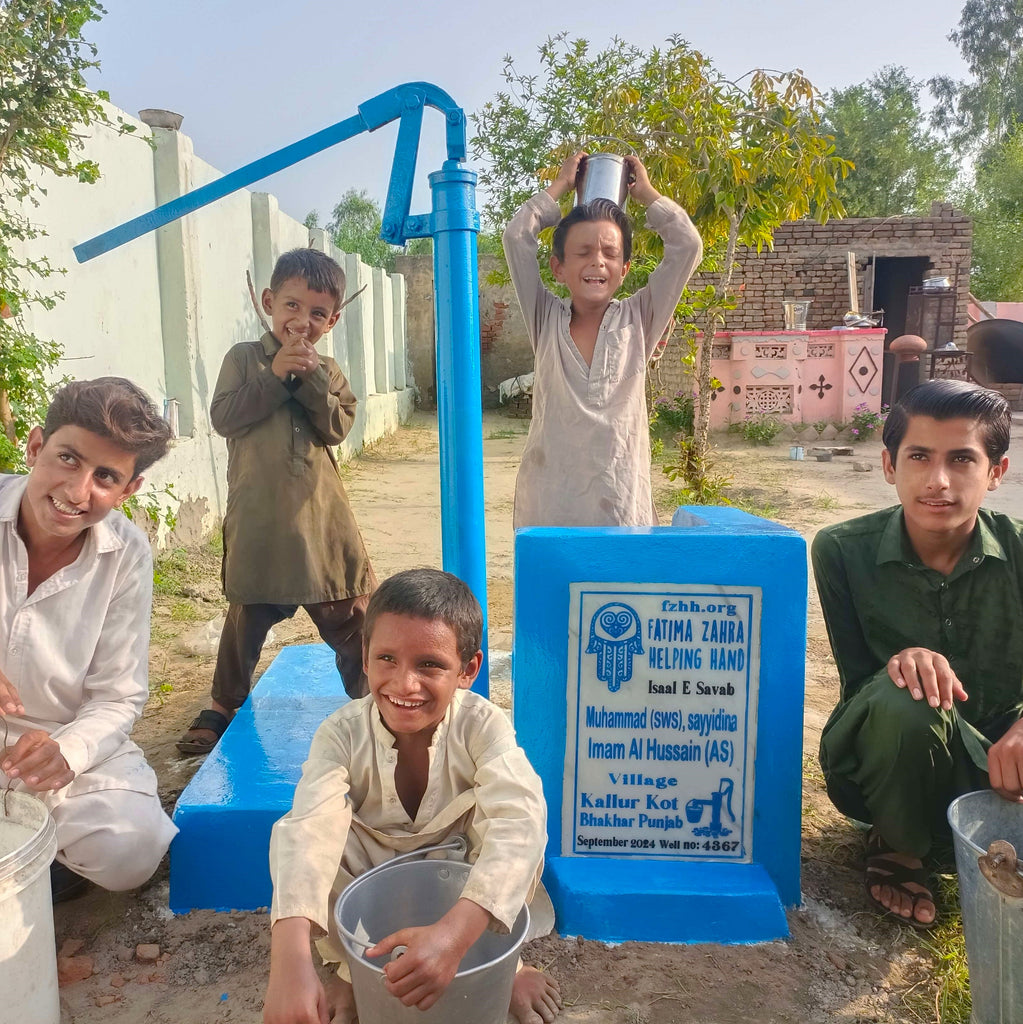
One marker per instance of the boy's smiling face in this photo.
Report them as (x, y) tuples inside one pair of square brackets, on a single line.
[(76, 478), (413, 667), (942, 473), (594, 265), (298, 314)]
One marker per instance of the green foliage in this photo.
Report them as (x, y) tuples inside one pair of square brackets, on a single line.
[(354, 227), (173, 571), (996, 204), (694, 468), (674, 412), (44, 105), (977, 113), (900, 165), (864, 422), (146, 507), (760, 429), (742, 156)]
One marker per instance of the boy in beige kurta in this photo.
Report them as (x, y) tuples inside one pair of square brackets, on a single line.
[(587, 457), (290, 537), (418, 760)]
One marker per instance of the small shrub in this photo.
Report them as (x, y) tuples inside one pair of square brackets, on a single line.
[(820, 426), (865, 421), (675, 413), (760, 429)]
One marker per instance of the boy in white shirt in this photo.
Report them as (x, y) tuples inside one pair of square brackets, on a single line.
[(418, 760), (76, 588), (587, 457)]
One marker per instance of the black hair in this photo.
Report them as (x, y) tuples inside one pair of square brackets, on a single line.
[(114, 408), (433, 595), (317, 269), (951, 400), (596, 209)]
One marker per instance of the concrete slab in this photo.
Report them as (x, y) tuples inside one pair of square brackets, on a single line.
[(219, 858)]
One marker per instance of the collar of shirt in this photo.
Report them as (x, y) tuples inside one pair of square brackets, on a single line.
[(895, 546), (100, 537), (270, 344), (386, 741)]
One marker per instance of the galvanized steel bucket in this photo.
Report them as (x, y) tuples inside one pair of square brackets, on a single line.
[(406, 893), (987, 831), (603, 176)]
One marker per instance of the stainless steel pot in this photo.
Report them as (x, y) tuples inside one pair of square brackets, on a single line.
[(602, 176)]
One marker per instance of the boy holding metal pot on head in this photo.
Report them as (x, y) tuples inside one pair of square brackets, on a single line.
[(420, 759), (587, 457)]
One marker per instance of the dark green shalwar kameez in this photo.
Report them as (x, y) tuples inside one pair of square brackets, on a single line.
[(888, 759)]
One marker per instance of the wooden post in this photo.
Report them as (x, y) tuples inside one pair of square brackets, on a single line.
[(854, 299)]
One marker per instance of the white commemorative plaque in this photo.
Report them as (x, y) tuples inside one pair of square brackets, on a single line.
[(662, 704)]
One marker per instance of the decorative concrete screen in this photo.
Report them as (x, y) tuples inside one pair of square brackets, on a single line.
[(658, 681), (796, 376)]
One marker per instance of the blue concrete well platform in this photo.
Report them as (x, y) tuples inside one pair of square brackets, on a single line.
[(219, 859)]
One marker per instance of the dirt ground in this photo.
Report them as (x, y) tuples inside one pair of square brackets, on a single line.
[(841, 964)]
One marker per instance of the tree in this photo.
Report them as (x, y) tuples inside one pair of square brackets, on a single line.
[(978, 113), (354, 226), (742, 156), (44, 105), (900, 166), (996, 205)]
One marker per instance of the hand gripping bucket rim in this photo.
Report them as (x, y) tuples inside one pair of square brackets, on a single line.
[(467, 987)]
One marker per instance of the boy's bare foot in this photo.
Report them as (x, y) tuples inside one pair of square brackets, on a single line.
[(536, 997), (340, 1001), (897, 882)]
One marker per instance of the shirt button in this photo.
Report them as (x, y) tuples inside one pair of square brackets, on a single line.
[(948, 622), (976, 559), (298, 430), (944, 586), (14, 650)]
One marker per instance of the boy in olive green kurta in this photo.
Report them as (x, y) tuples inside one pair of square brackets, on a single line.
[(923, 603), (290, 538)]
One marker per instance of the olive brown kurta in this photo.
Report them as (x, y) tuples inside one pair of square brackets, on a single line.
[(290, 536)]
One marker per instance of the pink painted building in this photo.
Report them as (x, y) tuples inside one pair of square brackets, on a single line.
[(796, 376)]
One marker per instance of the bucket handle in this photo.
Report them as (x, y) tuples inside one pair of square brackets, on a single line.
[(999, 866), (458, 843)]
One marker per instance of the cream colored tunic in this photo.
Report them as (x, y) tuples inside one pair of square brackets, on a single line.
[(587, 457), (347, 817)]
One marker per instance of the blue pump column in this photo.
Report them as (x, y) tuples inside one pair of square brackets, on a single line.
[(455, 224)]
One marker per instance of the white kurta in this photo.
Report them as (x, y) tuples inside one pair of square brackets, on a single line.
[(77, 651), (347, 817), (587, 457)]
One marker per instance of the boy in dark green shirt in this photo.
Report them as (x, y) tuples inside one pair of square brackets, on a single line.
[(923, 604)]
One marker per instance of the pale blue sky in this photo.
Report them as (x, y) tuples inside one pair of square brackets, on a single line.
[(251, 77)]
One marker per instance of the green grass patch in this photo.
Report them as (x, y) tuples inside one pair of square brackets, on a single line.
[(824, 502), (501, 435), (184, 611)]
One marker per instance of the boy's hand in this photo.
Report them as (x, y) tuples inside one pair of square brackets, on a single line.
[(421, 974), (1005, 764), (300, 359), (294, 994), (640, 188), (926, 674), (36, 760), (565, 181), (10, 702)]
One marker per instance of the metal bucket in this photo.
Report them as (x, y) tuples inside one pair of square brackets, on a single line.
[(603, 176), (406, 893), (991, 896), (28, 959)]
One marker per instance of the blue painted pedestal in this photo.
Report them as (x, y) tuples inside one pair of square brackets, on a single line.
[(636, 832), (219, 859)]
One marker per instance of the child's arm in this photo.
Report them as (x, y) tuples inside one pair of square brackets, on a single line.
[(328, 400), (683, 250), (421, 974), (294, 994), (246, 392), (520, 247)]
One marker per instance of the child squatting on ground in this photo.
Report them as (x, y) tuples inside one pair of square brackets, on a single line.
[(418, 760), (923, 603), (290, 537), (586, 460)]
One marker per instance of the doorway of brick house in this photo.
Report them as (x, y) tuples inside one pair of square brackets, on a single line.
[(886, 287)]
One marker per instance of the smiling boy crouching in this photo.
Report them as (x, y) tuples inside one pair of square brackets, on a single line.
[(418, 760)]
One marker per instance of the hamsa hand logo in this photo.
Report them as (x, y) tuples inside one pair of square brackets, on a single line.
[(615, 636)]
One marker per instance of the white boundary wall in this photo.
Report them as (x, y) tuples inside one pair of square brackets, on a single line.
[(163, 309)]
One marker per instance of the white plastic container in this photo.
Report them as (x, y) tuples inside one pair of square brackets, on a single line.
[(28, 958)]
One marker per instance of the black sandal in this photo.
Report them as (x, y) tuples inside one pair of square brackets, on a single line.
[(211, 720), (881, 870)]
